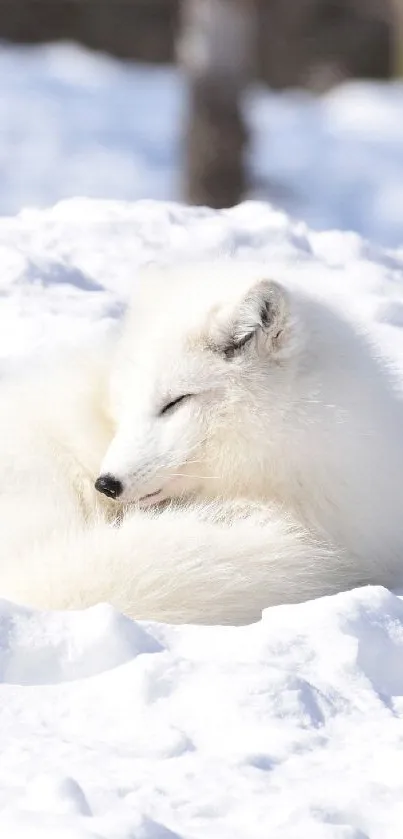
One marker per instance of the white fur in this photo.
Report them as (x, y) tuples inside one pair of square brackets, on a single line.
[(289, 409)]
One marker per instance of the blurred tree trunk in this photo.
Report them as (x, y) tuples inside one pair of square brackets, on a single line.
[(216, 50)]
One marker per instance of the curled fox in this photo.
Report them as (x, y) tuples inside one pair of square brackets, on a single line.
[(235, 444)]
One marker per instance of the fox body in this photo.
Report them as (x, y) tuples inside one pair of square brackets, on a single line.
[(245, 442)]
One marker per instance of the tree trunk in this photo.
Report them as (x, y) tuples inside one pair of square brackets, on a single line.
[(216, 51)]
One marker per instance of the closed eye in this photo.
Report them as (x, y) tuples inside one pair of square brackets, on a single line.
[(175, 402)]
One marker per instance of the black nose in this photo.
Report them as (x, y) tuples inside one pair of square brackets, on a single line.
[(109, 486)]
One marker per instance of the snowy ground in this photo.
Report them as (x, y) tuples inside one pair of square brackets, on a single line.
[(74, 123), (288, 729)]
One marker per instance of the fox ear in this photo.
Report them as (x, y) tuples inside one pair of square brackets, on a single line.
[(263, 312)]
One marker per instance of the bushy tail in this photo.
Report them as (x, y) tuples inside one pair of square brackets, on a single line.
[(215, 564)]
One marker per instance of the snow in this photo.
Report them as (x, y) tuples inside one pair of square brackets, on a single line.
[(112, 729), (76, 123), (267, 730), (335, 161)]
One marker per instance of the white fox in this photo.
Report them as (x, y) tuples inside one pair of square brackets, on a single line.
[(257, 426)]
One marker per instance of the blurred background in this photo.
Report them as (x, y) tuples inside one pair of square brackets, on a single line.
[(297, 102)]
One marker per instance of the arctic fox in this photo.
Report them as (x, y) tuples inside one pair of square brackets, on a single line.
[(236, 445)]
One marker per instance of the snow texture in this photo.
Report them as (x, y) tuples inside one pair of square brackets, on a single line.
[(290, 728), (76, 123)]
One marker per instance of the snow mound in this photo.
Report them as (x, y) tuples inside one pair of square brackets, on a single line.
[(46, 648)]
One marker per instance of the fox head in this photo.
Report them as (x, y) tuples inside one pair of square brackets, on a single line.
[(196, 385)]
